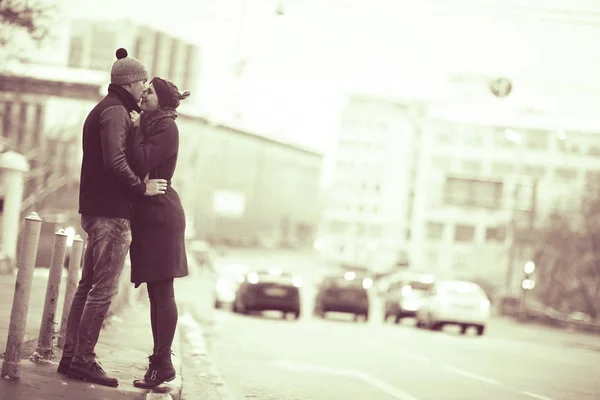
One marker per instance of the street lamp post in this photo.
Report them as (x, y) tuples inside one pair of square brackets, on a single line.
[(514, 137)]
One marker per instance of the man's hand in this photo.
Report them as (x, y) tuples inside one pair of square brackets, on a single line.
[(135, 118), (155, 186)]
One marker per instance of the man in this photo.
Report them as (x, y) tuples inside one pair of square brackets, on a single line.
[(106, 188)]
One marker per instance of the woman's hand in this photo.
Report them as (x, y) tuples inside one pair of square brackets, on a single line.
[(135, 118)]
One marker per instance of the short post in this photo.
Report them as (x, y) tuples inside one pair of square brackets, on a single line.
[(20, 306), (46, 337), (72, 279)]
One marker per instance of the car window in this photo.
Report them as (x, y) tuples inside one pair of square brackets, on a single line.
[(462, 290), (417, 285), (340, 282)]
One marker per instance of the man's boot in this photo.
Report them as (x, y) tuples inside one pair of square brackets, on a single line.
[(64, 365), (90, 372), (161, 370)]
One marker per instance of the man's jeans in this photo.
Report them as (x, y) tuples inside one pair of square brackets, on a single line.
[(107, 247)]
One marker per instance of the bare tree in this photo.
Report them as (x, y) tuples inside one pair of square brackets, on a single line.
[(23, 18), (567, 258)]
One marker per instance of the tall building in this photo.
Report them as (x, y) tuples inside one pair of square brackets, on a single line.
[(93, 45), (481, 183), (365, 218), (454, 181)]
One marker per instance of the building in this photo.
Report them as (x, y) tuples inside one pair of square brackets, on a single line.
[(92, 45), (458, 177), (365, 218), (241, 187), (236, 186), (483, 181)]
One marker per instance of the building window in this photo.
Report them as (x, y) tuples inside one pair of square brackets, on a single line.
[(471, 167), (472, 193), (464, 233), (501, 169), (537, 140), (565, 174), (534, 171), (592, 176), (594, 150), (434, 230), (472, 138), (500, 138), (495, 234)]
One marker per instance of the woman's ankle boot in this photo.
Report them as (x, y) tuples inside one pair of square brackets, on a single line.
[(161, 370)]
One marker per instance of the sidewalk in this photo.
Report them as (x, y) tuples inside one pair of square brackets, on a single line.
[(124, 344)]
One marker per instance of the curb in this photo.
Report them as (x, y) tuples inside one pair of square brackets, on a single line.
[(190, 321)]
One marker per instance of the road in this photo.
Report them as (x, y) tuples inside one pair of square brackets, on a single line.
[(266, 357)]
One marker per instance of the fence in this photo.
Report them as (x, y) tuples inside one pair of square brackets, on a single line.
[(48, 336)]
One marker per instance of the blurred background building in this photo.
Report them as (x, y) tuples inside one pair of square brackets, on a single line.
[(238, 187), (421, 182)]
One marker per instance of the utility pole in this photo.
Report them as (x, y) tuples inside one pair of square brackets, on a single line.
[(517, 244), (512, 248)]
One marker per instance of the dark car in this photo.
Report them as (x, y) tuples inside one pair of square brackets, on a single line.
[(403, 297), (268, 290), (345, 293)]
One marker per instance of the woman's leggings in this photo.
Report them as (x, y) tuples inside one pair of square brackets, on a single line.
[(163, 315)]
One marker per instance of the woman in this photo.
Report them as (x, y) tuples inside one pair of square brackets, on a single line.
[(158, 247)]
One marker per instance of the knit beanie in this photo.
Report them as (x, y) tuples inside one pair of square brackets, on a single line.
[(167, 93), (127, 69)]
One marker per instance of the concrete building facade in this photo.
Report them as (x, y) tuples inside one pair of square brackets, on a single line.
[(462, 168)]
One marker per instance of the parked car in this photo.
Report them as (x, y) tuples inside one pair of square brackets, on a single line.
[(403, 297), (268, 290), (459, 303), (347, 293)]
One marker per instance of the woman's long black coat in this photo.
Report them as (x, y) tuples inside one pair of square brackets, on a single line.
[(158, 243)]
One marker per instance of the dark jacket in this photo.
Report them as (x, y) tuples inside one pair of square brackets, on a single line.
[(158, 227), (107, 182)]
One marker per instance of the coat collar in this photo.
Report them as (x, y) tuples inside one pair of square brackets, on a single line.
[(125, 97), (151, 118)]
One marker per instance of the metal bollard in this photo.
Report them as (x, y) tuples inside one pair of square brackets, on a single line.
[(72, 279), (57, 260), (20, 306)]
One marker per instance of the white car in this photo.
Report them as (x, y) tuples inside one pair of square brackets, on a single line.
[(459, 303), (227, 283)]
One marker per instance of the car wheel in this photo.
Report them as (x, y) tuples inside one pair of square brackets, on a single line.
[(480, 330), (317, 312), (218, 304), (241, 308), (419, 324), (297, 314), (437, 326), (463, 329)]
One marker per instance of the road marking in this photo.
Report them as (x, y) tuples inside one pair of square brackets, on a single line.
[(536, 396), (381, 385), (414, 357), (473, 376)]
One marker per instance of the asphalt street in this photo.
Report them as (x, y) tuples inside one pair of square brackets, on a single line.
[(266, 357)]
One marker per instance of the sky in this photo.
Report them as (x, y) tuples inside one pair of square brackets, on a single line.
[(300, 65)]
